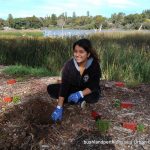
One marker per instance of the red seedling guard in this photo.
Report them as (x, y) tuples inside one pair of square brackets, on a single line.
[(130, 125), (119, 84), (96, 115), (126, 104), (7, 99), (12, 81)]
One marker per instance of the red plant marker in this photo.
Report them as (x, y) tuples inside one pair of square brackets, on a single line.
[(130, 125), (7, 99), (120, 84), (126, 104), (96, 115), (12, 81)]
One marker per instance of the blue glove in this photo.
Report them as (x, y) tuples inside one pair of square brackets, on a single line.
[(75, 97), (57, 114)]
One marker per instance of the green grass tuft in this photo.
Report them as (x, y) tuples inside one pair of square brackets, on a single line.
[(20, 70)]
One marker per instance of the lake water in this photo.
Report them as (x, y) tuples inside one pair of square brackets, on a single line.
[(67, 32), (73, 32)]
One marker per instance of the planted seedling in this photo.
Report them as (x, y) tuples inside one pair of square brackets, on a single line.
[(140, 127), (116, 102), (16, 99), (102, 125)]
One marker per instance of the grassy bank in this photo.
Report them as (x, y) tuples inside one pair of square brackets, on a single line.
[(21, 33), (21, 71), (124, 55)]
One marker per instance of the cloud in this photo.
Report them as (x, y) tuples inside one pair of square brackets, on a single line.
[(14, 1), (94, 2), (20, 14), (70, 6), (42, 8), (121, 3)]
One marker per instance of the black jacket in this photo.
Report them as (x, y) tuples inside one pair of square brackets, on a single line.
[(72, 81)]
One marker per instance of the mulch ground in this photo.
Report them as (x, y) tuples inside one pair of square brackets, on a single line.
[(27, 124)]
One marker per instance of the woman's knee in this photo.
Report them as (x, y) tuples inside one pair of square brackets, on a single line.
[(92, 98), (92, 101), (49, 88), (53, 90)]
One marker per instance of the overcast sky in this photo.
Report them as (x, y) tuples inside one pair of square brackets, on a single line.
[(43, 8)]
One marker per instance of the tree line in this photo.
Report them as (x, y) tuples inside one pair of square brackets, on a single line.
[(117, 20)]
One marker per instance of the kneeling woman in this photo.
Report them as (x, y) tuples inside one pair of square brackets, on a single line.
[(80, 78)]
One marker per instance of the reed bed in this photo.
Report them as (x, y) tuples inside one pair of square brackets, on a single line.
[(124, 56)]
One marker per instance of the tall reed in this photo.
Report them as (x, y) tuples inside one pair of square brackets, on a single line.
[(124, 55)]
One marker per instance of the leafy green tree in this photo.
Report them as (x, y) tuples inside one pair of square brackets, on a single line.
[(20, 23), (74, 15), (133, 21), (146, 14), (2, 22), (34, 22), (80, 21), (146, 24), (46, 22), (53, 19), (88, 13), (28, 22), (66, 15), (10, 21), (61, 16), (118, 19), (133, 18), (98, 21)]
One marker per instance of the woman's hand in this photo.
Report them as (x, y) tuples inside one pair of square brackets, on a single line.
[(75, 97), (57, 113)]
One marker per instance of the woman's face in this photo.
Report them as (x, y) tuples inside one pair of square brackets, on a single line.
[(80, 54)]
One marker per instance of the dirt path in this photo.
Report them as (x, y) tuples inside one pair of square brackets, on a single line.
[(27, 125)]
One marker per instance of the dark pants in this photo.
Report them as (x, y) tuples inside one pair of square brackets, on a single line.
[(53, 91)]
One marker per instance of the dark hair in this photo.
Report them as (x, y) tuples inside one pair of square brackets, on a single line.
[(87, 45)]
